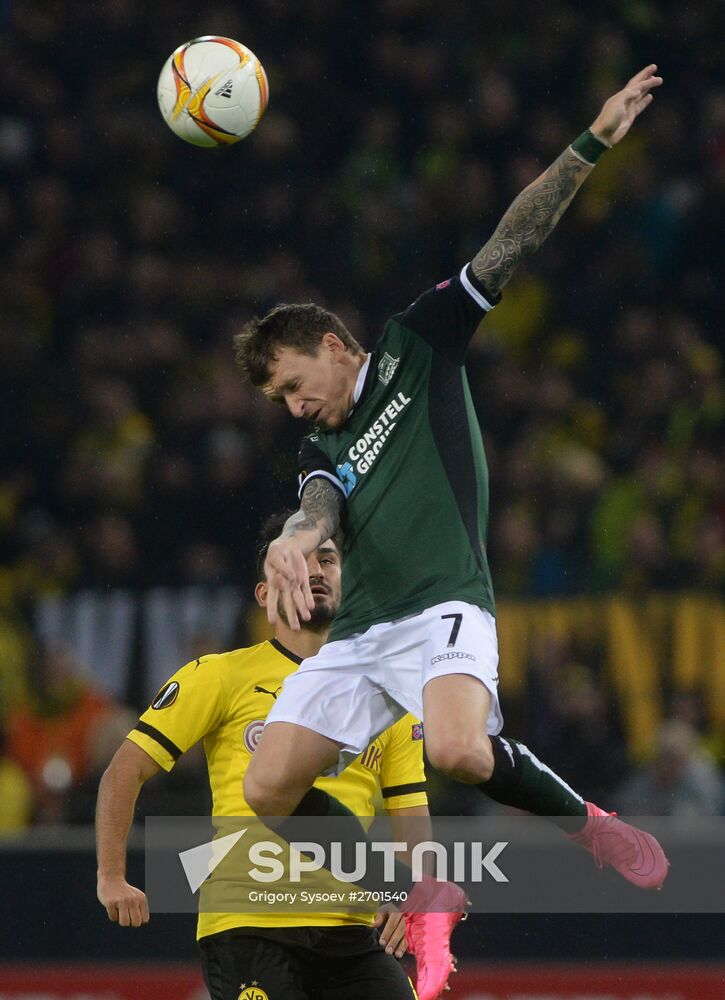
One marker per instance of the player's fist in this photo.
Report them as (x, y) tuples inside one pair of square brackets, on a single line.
[(123, 902)]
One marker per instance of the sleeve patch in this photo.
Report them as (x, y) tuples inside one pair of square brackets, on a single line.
[(167, 695), (417, 733)]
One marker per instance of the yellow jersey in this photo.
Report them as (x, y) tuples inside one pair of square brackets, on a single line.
[(224, 699)]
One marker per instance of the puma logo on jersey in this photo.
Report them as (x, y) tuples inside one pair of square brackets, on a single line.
[(260, 690)]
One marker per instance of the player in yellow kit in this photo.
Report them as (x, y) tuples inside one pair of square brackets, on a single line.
[(224, 700)]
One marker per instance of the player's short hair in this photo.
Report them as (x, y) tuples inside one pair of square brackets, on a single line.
[(271, 529), (301, 327)]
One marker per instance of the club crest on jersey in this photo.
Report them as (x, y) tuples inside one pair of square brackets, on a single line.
[(417, 731), (166, 696), (253, 992), (386, 368), (253, 734)]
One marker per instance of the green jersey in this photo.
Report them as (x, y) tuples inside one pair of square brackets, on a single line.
[(410, 461)]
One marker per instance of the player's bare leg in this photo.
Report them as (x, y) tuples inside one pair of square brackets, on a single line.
[(288, 760), (455, 711)]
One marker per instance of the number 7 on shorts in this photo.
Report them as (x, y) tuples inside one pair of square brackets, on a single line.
[(457, 619)]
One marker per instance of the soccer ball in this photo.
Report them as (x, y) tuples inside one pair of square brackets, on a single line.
[(212, 91)]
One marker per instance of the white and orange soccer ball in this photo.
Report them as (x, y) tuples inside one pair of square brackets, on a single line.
[(212, 91)]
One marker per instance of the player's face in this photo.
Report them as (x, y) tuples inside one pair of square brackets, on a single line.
[(325, 573), (317, 388), (325, 583)]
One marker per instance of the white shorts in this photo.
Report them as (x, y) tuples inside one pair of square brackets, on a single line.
[(355, 688)]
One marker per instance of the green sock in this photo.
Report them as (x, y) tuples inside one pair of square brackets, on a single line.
[(521, 780), (315, 802)]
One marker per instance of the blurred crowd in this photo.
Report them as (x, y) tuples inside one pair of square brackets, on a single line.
[(395, 138), (56, 743)]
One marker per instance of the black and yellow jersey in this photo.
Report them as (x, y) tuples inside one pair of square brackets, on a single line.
[(224, 699)]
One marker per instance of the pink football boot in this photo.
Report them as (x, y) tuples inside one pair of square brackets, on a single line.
[(429, 933), (636, 855)]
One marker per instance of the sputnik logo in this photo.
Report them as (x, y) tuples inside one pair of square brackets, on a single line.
[(199, 862)]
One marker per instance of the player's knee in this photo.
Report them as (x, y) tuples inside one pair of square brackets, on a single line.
[(260, 796), (461, 758), (269, 797)]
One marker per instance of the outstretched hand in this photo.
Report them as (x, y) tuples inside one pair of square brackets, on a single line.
[(616, 117), (288, 583)]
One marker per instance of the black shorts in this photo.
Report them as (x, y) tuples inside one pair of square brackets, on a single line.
[(301, 963)]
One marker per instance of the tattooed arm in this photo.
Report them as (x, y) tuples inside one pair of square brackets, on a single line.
[(535, 212), (285, 567), (320, 509), (529, 220)]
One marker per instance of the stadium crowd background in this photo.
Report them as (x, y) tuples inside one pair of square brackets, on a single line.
[(131, 454)]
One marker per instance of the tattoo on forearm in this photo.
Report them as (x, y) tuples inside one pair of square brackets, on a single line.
[(320, 508), (529, 220)]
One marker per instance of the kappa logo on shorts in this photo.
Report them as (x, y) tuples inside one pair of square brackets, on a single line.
[(417, 733), (166, 696), (252, 992), (453, 655), (253, 734)]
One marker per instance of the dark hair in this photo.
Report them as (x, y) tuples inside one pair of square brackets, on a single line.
[(271, 529), (299, 326)]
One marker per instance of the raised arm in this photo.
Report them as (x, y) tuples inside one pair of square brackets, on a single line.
[(286, 564), (534, 213)]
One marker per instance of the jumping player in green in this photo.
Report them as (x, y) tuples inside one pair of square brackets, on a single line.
[(397, 457)]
